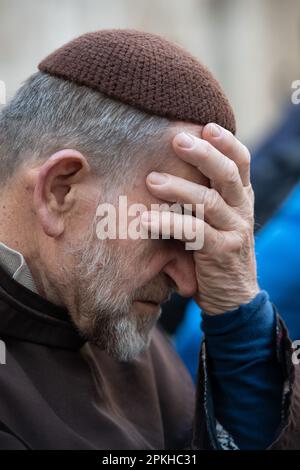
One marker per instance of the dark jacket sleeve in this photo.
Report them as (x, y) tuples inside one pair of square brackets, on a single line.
[(209, 434), (289, 435)]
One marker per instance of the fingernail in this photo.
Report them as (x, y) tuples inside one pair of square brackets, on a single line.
[(215, 130), (157, 178), (185, 141)]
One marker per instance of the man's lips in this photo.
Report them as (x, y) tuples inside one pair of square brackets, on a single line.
[(149, 302), (153, 302)]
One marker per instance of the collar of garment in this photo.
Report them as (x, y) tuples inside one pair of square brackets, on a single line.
[(15, 265), (27, 316)]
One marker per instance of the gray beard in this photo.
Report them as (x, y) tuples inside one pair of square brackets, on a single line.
[(102, 309)]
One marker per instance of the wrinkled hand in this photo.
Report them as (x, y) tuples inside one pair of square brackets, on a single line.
[(225, 267)]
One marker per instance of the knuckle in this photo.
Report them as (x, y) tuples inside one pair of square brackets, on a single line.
[(245, 156), (232, 173), (243, 234), (245, 227), (250, 194), (228, 141), (212, 198), (246, 235), (232, 145), (240, 242)]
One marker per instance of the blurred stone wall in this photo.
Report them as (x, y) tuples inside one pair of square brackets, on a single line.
[(252, 46)]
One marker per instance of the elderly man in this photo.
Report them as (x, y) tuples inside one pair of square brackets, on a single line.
[(124, 113)]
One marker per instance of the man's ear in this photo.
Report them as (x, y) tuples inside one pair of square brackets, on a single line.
[(54, 188)]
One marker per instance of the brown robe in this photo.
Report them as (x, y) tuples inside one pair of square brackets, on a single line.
[(59, 392)]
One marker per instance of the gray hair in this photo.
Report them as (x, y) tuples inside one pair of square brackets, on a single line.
[(48, 114)]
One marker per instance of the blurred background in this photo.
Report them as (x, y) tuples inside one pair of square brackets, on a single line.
[(253, 49)]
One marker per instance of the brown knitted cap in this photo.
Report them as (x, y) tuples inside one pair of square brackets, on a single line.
[(145, 71)]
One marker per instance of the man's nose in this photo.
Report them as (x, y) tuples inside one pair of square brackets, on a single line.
[(182, 272)]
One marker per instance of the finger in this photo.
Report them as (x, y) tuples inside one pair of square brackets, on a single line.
[(196, 233), (221, 170), (181, 191), (230, 146)]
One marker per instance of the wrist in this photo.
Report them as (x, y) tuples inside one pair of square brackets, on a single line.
[(220, 305)]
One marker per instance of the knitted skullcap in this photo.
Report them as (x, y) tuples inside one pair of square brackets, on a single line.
[(145, 71)]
